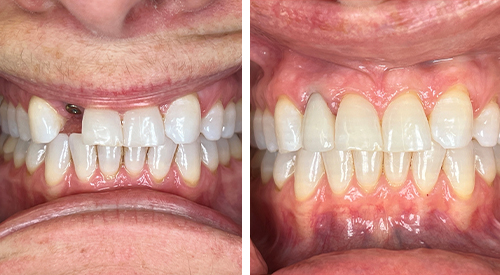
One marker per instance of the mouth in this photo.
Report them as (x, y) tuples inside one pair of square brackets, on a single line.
[(375, 146)]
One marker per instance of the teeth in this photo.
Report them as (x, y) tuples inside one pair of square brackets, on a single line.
[(459, 167), (319, 123), (57, 159), (10, 145), (102, 127), (238, 124), (209, 154), (3, 138), (357, 126), (253, 142), (182, 120), (266, 166), (160, 159), (84, 157), (45, 123), (3, 114), (396, 166), (451, 119), (426, 167), (109, 160), (134, 159), (368, 167), (229, 120), (211, 124), (23, 123), (268, 130), (11, 116), (308, 171), (188, 159), (256, 160), (20, 153), (143, 127), (487, 125), (288, 122), (258, 130), (496, 153), (484, 162), (235, 147), (224, 151), (339, 168), (35, 156), (284, 168)]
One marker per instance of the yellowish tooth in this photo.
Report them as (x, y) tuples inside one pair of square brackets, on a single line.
[(426, 166), (57, 159), (209, 154), (284, 168), (10, 145), (496, 153), (288, 122), (339, 168), (318, 125), (256, 160), (396, 166), (224, 151), (459, 167), (235, 147), (258, 130), (266, 166), (269, 132), (309, 169), (20, 153), (368, 167), (160, 159), (484, 162), (188, 160)]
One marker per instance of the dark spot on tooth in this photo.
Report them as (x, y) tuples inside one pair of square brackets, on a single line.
[(73, 109)]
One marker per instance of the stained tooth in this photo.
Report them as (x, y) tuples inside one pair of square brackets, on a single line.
[(258, 130), (309, 169), (143, 127), (84, 157), (269, 132), (182, 119), (188, 160), (3, 138), (396, 166), (266, 166), (20, 153), (209, 154), (284, 168), (11, 116), (3, 114), (10, 145), (496, 153), (238, 124), (134, 159), (35, 156), (224, 151), (109, 160), (459, 167), (160, 159), (426, 166), (484, 162), (487, 125), (318, 125), (339, 168), (288, 122), (235, 147), (451, 119), (57, 159), (357, 126), (368, 167), (102, 127), (211, 123), (45, 122), (229, 120), (23, 123)]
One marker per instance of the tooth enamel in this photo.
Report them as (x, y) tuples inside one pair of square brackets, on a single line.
[(10, 145), (268, 130), (229, 120), (496, 153), (253, 142), (396, 166), (102, 127), (3, 138), (211, 124), (426, 166), (459, 167), (188, 160), (284, 168), (143, 127), (224, 151), (109, 160), (45, 122), (266, 166), (3, 114), (20, 153), (209, 154), (357, 126), (134, 159), (11, 116), (318, 125), (288, 122), (35, 156), (368, 167), (258, 130), (309, 169), (339, 168), (84, 157), (235, 147), (256, 160), (57, 159), (182, 120), (451, 119), (23, 123), (484, 162), (487, 125), (238, 124), (160, 159)]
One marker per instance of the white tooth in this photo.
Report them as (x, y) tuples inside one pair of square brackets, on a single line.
[(339, 168), (3, 114), (229, 120), (258, 130), (357, 126), (11, 116), (256, 160), (23, 123), (269, 132), (160, 158), (318, 125), (57, 159), (134, 159), (188, 160), (496, 153), (487, 125), (211, 124), (266, 166), (459, 167), (309, 169), (102, 127), (35, 156), (224, 151), (10, 145), (238, 126), (143, 127), (20, 153), (284, 168), (45, 122), (368, 167), (182, 119), (396, 166), (235, 147), (484, 162), (109, 160), (3, 138), (451, 119), (209, 154), (84, 157), (426, 166), (288, 122)]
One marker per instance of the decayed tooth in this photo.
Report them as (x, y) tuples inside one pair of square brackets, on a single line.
[(143, 127), (35, 156), (211, 123), (229, 120), (269, 132), (496, 153), (160, 158), (57, 159), (487, 125), (3, 114), (134, 159), (102, 127), (288, 122), (368, 167), (405, 127), (20, 153), (45, 122), (3, 138), (357, 126), (426, 166), (235, 147), (258, 130), (339, 168), (23, 123), (284, 168), (109, 160), (188, 160), (224, 151), (11, 116), (318, 125), (396, 165), (309, 169), (209, 153), (10, 145), (84, 157), (451, 119), (239, 120), (182, 119), (459, 167), (484, 162), (266, 166)]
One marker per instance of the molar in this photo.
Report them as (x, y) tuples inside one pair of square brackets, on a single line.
[(160, 159), (318, 125), (183, 119), (459, 167), (109, 160), (23, 123), (288, 122), (102, 127), (426, 166), (339, 168), (368, 167), (84, 157), (211, 123), (269, 132), (188, 160), (57, 159), (143, 127), (284, 168), (487, 125), (45, 123), (35, 156), (308, 171), (229, 120)]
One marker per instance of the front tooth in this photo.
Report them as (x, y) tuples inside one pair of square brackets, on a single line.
[(45, 122), (266, 166), (211, 123), (182, 120), (339, 168), (57, 159), (288, 122), (235, 147), (284, 168), (487, 125), (102, 127), (426, 166), (229, 120), (209, 154), (160, 158), (238, 125), (269, 132), (368, 167), (318, 125), (357, 126), (459, 167), (4, 107), (20, 153), (496, 153), (451, 119), (188, 160), (84, 157), (258, 130), (11, 116), (396, 165), (109, 160), (485, 162), (134, 159), (35, 156), (309, 169), (224, 151), (23, 123), (143, 127)]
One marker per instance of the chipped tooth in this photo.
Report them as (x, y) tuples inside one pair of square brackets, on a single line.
[(209, 154), (109, 160), (3, 114), (10, 145), (318, 125), (235, 147), (284, 168), (426, 166), (23, 123), (238, 126), (451, 119), (309, 169), (224, 151), (188, 160), (396, 166), (357, 126), (368, 167), (35, 156), (486, 127), (484, 162), (57, 159), (211, 123), (459, 167), (229, 120), (102, 127), (3, 138), (84, 157), (143, 127), (160, 159), (11, 116), (288, 122), (266, 166), (269, 132), (20, 153), (258, 130), (339, 166), (181, 111), (45, 122), (496, 153), (134, 159)]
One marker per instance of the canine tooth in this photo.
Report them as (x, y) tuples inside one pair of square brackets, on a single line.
[(309, 169), (318, 125), (484, 162), (57, 159), (258, 130), (160, 158), (11, 116), (109, 160), (45, 122), (143, 127), (10, 145), (239, 120), (368, 167), (284, 168), (235, 147), (211, 123), (20, 153), (3, 138), (426, 166), (3, 114), (459, 167), (134, 159), (396, 166), (182, 119), (35, 156), (84, 157), (288, 122), (451, 119), (23, 123), (487, 125), (357, 126), (266, 166), (269, 132), (209, 153), (188, 159), (229, 120), (102, 127), (224, 151), (339, 166)]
